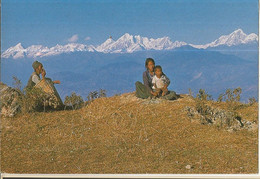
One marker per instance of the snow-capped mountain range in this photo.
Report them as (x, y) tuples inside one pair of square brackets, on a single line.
[(237, 37), (126, 44)]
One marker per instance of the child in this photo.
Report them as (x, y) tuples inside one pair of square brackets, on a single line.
[(159, 80)]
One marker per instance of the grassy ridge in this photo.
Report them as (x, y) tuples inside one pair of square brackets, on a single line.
[(123, 134)]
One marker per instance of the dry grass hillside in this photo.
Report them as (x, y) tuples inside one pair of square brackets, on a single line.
[(123, 134)]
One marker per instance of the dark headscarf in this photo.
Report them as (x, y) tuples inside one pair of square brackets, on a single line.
[(36, 64)]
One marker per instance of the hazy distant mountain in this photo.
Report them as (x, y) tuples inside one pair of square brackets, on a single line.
[(187, 67), (115, 65), (128, 44), (246, 51)]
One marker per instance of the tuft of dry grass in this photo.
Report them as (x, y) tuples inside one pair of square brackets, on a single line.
[(124, 134)]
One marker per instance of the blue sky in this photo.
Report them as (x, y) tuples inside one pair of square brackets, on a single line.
[(51, 22)]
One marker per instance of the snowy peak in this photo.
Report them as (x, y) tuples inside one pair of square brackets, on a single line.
[(251, 38), (105, 45), (108, 42), (238, 32), (124, 44), (18, 47), (36, 50), (126, 37), (237, 37), (129, 44), (16, 52)]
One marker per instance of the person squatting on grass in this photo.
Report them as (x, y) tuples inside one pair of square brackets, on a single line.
[(51, 98), (145, 90), (35, 77)]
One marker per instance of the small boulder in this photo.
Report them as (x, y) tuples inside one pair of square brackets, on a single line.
[(10, 101), (189, 167)]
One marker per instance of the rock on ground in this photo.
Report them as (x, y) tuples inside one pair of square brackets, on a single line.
[(220, 118), (9, 101)]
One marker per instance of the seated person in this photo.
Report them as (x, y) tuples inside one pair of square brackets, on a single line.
[(52, 98), (145, 90), (159, 81), (35, 77)]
